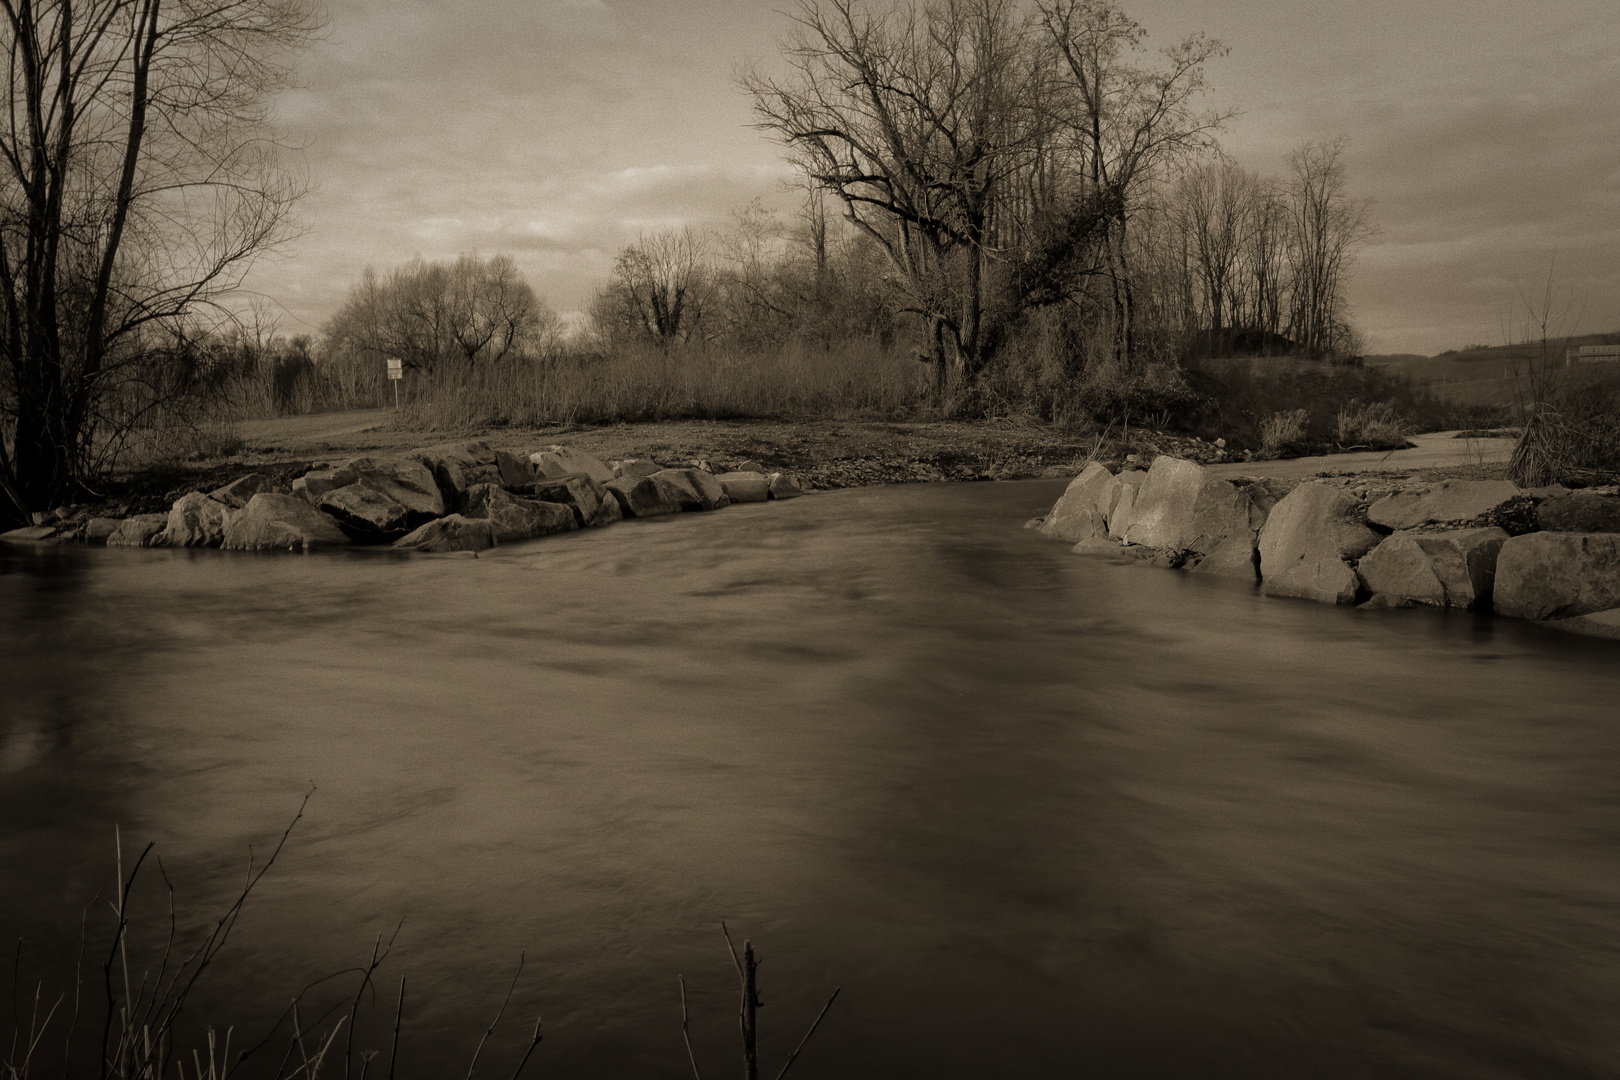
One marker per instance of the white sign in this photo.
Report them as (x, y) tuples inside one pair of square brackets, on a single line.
[(396, 368)]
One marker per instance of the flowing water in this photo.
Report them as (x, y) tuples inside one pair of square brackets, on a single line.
[(1036, 814)]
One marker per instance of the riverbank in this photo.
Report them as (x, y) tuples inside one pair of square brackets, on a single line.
[(822, 455)]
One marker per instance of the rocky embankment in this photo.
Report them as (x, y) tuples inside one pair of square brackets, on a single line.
[(457, 497), (1547, 554)]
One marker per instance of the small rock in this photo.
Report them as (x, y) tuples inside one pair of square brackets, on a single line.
[(784, 486), (748, 466), (633, 467)]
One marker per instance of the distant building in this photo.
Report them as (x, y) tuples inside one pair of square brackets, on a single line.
[(1593, 354)]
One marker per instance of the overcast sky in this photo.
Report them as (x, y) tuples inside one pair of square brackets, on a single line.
[(1486, 133)]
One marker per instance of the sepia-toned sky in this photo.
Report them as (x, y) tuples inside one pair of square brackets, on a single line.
[(1486, 133)]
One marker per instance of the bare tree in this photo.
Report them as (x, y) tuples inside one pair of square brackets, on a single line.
[(1326, 226), (915, 118), (1130, 124), (428, 314), (139, 178), (660, 289)]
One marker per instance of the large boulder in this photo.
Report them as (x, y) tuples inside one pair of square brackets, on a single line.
[(563, 460), (458, 466), (1124, 509), (745, 486), (644, 496), (1449, 500), (579, 491), (1307, 542), (1183, 507), (195, 520), (1580, 513), (138, 531), (98, 530), (1455, 568), (237, 493), (451, 533), (367, 514), (1081, 512), (514, 517), (515, 472), (407, 482), (1558, 575), (694, 489), (273, 521)]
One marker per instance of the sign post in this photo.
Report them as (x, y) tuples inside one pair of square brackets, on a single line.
[(396, 372)]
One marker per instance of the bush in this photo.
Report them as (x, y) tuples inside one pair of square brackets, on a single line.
[(1570, 437)]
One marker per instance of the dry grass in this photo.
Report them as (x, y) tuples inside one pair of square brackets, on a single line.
[(647, 384)]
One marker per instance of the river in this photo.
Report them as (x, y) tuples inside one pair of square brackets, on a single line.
[(1036, 814)]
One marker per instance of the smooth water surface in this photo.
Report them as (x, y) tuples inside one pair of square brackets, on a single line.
[(1037, 814)]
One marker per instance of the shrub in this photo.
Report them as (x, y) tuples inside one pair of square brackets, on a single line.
[(1282, 430)]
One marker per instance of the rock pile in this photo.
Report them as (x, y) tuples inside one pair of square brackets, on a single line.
[(456, 497), (1549, 554)]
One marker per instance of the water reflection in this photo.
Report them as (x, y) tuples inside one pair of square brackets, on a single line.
[(1036, 813)]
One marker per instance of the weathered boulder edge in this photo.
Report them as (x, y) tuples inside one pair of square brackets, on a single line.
[(1484, 545)]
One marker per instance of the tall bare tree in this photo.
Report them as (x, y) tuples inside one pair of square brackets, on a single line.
[(1130, 123), (139, 178), (660, 289), (1327, 223), (914, 117)]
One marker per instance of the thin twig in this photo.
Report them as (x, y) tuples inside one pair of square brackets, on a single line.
[(794, 1056), (685, 1036), (533, 1042), (480, 1047), (393, 1054)]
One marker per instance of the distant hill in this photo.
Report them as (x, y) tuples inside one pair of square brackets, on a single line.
[(1485, 375)]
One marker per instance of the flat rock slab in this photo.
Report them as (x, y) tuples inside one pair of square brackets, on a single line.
[(1456, 568), (271, 521), (1580, 513), (636, 467), (563, 460), (237, 493), (1449, 500), (451, 533), (1558, 575), (406, 482), (195, 520), (1307, 541), (366, 513), (140, 530), (29, 534), (1604, 624)]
